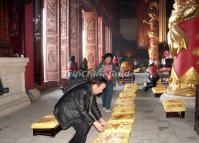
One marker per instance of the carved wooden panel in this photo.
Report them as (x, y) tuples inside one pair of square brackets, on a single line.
[(74, 30), (64, 7), (142, 37), (107, 39), (15, 18), (3, 20), (90, 28), (52, 47), (11, 26), (110, 40), (100, 39)]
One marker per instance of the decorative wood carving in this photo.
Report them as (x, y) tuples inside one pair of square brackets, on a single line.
[(90, 28), (52, 46), (14, 18), (100, 38), (64, 7), (74, 27), (153, 32), (11, 27), (110, 41), (108, 48), (16, 25), (3, 20), (142, 37)]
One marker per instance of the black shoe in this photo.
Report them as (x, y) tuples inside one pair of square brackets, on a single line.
[(6, 90), (145, 89)]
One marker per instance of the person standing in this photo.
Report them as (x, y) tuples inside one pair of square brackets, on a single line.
[(107, 69), (72, 68), (84, 68)]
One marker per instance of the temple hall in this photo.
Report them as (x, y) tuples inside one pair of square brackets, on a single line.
[(99, 71)]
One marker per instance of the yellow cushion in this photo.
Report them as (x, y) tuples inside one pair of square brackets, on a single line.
[(124, 102), (137, 70), (127, 95), (159, 89), (120, 125), (120, 116), (113, 136), (174, 106), (47, 122), (128, 121), (124, 109), (131, 86)]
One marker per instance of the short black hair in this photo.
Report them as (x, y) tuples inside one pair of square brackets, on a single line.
[(107, 55), (72, 58), (98, 80)]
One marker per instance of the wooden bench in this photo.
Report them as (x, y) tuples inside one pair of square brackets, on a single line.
[(174, 108), (48, 126), (158, 90)]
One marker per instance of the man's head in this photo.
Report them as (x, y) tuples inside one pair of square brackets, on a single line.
[(98, 85), (108, 58), (72, 58)]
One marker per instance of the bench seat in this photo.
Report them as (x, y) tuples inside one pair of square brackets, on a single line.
[(48, 125)]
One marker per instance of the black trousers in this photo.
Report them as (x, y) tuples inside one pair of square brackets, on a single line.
[(82, 128), (152, 83)]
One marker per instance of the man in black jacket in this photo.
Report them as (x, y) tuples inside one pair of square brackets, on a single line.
[(74, 108)]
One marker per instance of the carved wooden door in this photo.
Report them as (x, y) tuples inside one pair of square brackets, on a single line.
[(90, 28), (64, 37), (51, 41), (108, 48), (3, 20), (100, 39)]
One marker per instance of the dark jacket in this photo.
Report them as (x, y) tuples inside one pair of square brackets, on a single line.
[(77, 102)]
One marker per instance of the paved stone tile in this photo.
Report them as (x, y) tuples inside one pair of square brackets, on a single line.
[(150, 126)]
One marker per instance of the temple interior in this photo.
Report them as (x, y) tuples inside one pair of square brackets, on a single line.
[(46, 45)]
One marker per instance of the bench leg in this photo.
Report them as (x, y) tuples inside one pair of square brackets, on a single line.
[(157, 95), (175, 114), (182, 114), (34, 132)]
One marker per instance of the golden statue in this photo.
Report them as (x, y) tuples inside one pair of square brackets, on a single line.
[(183, 41), (126, 70)]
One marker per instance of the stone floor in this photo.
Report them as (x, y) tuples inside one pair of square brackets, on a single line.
[(150, 126)]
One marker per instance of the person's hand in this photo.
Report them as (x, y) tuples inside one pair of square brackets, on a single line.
[(104, 123), (98, 126), (109, 75)]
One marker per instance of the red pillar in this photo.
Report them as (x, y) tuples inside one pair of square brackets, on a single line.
[(29, 75)]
